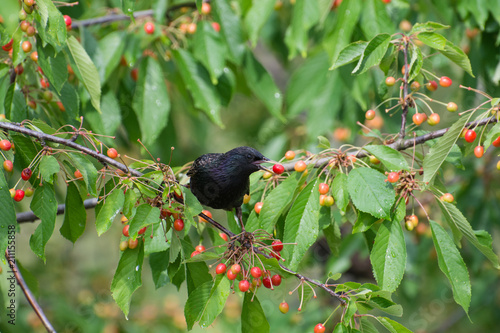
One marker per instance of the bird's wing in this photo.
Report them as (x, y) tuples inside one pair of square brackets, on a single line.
[(203, 162)]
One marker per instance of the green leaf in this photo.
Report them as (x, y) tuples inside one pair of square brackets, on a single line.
[(391, 158), (253, 318), (151, 102), (145, 215), (363, 222), (458, 56), (277, 201), (230, 30), (350, 53), (209, 50), (48, 168), (192, 206), (427, 27), (108, 53), (113, 204), (88, 171), (262, 85), (256, 17), (127, 277), (52, 22), (70, 100), (456, 219), (432, 39), (304, 16), (339, 191), (130, 202), (373, 53), (416, 62), (388, 256), (452, 265), (370, 192), (492, 135), (301, 224), (392, 326), (7, 214), (128, 7), (158, 243), (75, 215), (440, 151), (207, 303), (89, 74), (159, 262), (323, 142), (375, 19), (43, 205), (53, 64), (197, 81), (340, 34)]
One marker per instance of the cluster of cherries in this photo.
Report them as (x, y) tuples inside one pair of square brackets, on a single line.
[(8, 166), (130, 242)]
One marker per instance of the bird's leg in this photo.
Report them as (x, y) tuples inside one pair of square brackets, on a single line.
[(239, 215)]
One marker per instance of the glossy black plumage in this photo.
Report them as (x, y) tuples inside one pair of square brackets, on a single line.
[(221, 180)]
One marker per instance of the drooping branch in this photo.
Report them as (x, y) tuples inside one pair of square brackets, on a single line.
[(11, 261)]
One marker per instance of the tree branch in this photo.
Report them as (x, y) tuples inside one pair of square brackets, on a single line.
[(27, 292)]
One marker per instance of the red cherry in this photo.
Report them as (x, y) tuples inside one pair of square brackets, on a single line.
[(26, 46), (216, 26), (418, 118), (323, 188), (244, 285), (390, 81), (7, 47), (231, 275), (370, 114), (290, 155), (277, 245), (5, 144), (178, 225), (431, 85), (415, 86), (256, 272), (200, 248), (19, 195), (132, 243), (267, 282), (149, 27), (479, 151), (141, 231), (61, 106), (236, 268), (445, 81), (284, 307), (434, 119), (8, 166), (447, 197), (278, 169), (26, 174), (496, 143), (205, 8), (223, 236), (276, 279), (220, 269), (195, 253), (207, 213), (44, 83), (300, 166), (470, 136), (134, 73), (112, 153), (123, 245), (125, 230), (320, 328), (78, 174), (24, 25), (276, 255), (258, 207), (392, 177), (67, 21)]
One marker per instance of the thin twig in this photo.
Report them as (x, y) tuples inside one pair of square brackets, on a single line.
[(27, 292), (405, 90)]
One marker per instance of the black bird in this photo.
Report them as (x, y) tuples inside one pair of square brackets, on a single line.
[(221, 180)]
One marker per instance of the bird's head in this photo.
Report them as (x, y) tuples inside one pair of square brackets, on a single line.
[(247, 158)]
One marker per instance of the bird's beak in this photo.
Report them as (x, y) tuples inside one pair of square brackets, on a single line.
[(259, 163)]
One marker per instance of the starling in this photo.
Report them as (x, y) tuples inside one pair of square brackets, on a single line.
[(221, 180)]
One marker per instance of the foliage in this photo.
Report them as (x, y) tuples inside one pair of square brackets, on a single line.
[(97, 84)]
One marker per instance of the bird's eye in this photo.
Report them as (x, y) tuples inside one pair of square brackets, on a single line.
[(250, 156)]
